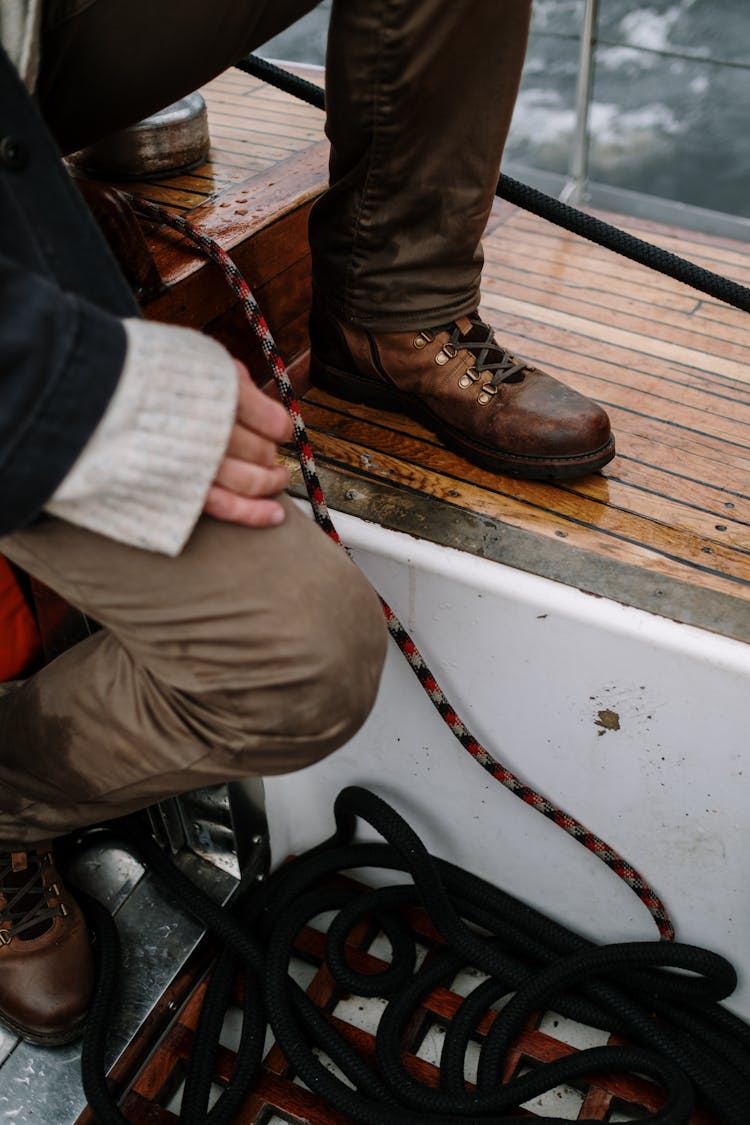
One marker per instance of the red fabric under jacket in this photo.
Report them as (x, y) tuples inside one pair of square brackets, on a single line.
[(20, 643)]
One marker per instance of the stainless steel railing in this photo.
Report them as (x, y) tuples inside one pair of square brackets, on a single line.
[(575, 188)]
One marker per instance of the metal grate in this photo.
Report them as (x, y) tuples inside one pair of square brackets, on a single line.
[(279, 1100)]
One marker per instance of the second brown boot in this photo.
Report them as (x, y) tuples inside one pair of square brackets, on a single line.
[(46, 968), (497, 410)]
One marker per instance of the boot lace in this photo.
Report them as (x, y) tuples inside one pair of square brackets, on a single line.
[(501, 365), (24, 899)]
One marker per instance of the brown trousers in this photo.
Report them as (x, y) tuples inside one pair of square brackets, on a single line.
[(255, 652), (419, 93)]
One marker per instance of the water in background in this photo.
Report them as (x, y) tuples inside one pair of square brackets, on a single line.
[(671, 95)]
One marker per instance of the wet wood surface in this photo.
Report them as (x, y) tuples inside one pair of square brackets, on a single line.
[(671, 366)]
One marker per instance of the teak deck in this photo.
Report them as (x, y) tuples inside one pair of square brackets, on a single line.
[(665, 527)]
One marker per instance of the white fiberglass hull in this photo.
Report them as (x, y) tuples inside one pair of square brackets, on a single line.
[(633, 723)]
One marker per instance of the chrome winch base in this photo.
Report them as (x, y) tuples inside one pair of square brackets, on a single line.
[(169, 142)]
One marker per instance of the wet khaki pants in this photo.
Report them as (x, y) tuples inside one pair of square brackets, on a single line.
[(255, 652)]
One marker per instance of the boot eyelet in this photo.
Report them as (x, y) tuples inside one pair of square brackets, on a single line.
[(422, 340), (64, 912), (447, 352), (5, 937), (468, 378), (486, 394)]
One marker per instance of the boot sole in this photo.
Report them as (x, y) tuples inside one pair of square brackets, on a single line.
[(44, 1039), (354, 388)]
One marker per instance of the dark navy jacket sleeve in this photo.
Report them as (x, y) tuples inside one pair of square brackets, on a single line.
[(60, 360), (62, 300)]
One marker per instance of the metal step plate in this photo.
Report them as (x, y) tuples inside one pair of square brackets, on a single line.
[(163, 952)]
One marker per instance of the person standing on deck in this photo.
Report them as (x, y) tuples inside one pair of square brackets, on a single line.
[(137, 473)]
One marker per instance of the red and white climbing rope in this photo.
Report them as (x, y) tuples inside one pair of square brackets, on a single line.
[(600, 848)]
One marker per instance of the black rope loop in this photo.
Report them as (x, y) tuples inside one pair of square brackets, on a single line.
[(662, 996), (379, 905)]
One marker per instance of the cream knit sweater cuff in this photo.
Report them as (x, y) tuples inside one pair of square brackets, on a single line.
[(145, 472), (20, 30)]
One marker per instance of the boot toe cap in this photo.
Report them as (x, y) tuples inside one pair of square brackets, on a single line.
[(46, 984), (563, 422)]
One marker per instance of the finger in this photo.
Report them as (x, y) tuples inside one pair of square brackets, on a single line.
[(251, 480), (246, 445), (225, 505), (258, 412)]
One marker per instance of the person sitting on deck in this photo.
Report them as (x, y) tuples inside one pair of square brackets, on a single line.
[(137, 473)]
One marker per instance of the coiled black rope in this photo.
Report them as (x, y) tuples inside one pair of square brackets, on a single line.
[(547, 207), (664, 997)]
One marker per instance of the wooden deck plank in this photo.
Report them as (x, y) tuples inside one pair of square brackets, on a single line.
[(166, 194), (388, 455), (577, 274), (711, 255), (538, 266), (233, 217), (708, 501), (251, 142), (576, 350), (266, 121), (243, 163), (561, 251), (230, 173), (635, 318), (722, 313), (299, 115), (258, 128), (635, 341), (505, 266)]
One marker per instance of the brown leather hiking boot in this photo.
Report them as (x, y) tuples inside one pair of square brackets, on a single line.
[(46, 970), (494, 408)]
